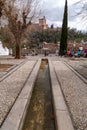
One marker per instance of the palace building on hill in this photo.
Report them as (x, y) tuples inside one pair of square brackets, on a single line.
[(38, 26), (41, 25)]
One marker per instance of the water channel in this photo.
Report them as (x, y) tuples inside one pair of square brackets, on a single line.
[(40, 115)]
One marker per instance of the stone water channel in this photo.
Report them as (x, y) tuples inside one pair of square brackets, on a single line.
[(40, 115)]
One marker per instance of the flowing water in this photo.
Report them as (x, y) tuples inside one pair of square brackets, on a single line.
[(40, 114)]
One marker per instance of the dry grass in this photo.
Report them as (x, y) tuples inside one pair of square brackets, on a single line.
[(5, 66)]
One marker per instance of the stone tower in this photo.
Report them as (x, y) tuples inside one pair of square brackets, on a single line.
[(42, 23)]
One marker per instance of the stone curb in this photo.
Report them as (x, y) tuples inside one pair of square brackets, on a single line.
[(63, 120), (15, 119)]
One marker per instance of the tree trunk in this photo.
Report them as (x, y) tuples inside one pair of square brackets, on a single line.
[(18, 49)]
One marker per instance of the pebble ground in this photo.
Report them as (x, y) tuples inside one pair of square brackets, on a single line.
[(74, 89)]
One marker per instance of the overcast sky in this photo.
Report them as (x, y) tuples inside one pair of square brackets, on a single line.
[(53, 11)]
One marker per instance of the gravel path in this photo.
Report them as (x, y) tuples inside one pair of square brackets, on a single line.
[(80, 66), (75, 92), (11, 87), (74, 89), (11, 61)]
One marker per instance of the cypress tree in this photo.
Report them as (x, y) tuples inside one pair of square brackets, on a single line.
[(64, 32)]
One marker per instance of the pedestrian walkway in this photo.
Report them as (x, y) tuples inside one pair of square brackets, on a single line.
[(11, 86), (62, 116), (69, 94), (75, 94)]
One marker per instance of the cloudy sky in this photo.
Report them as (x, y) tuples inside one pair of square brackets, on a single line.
[(53, 11)]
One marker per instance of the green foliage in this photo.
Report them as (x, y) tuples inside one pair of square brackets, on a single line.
[(7, 38), (38, 37), (75, 35)]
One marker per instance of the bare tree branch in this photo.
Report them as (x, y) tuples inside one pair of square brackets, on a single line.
[(20, 14)]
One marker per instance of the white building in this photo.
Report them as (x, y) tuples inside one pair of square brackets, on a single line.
[(3, 51)]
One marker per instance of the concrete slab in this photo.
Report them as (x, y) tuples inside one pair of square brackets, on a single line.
[(59, 103), (63, 120), (15, 116)]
